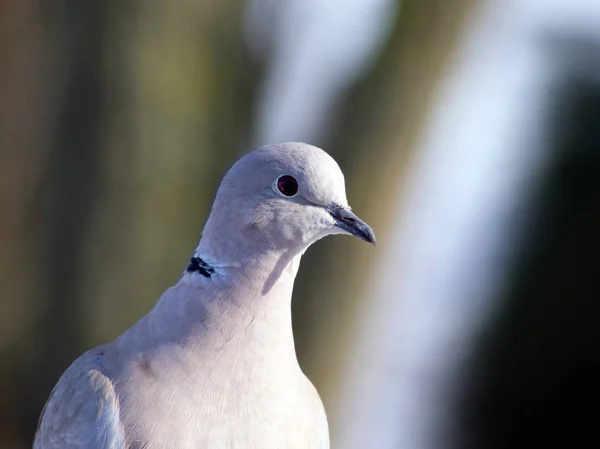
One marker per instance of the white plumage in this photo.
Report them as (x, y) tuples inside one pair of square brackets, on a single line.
[(213, 364)]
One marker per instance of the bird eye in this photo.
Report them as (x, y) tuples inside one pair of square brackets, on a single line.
[(287, 185)]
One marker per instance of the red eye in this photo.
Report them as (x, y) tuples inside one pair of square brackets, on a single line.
[(287, 185)]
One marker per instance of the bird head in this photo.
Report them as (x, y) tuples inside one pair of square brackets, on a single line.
[(284, 196)]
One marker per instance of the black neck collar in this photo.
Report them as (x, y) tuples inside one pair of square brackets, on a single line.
[(197, 265)]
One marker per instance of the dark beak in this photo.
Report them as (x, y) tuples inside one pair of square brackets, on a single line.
[(346, 220)]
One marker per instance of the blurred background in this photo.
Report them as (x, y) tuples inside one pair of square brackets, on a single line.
[(469, 133)]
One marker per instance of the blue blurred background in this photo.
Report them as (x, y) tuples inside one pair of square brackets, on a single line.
[(469, 133)]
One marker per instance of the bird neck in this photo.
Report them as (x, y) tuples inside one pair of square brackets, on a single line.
[(249, 301), (265, 274), (263, 270)]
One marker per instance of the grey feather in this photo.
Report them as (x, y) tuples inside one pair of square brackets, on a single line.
[(83, 409)]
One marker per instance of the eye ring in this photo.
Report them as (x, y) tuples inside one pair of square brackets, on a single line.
[(287, 186)]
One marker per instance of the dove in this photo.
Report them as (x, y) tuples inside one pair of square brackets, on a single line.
[(213, 364)]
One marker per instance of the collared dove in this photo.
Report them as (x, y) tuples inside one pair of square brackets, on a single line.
[(213, 364)]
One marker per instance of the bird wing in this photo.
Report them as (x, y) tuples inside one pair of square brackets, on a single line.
[(83, 409)]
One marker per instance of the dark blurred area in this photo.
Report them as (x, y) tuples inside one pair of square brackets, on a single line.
[(535, 374), (469, 135)]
